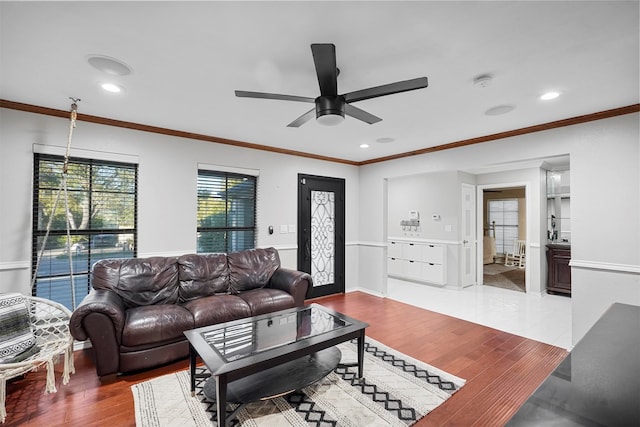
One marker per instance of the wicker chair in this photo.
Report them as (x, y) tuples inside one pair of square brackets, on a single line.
[(50, 322)]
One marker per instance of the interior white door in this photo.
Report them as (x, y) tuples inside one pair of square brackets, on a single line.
[(469, 242)]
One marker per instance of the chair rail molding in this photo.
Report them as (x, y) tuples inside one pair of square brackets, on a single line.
[(605, 266), (15, 265)]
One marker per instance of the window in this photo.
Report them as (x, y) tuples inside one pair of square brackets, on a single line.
[(505, 214), (102, 211), (226, 212)]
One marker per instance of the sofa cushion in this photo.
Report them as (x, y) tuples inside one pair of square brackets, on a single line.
[(202, 275), (155, 323), (251, 269), (139, 281), (217, 309), (267, 300)]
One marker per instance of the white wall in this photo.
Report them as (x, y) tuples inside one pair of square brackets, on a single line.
[(431, 193), (605, 183), (605, 197), (167, 188), (605, 218)]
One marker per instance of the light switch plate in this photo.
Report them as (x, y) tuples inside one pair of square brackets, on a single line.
[(284, 229), (292, 228)]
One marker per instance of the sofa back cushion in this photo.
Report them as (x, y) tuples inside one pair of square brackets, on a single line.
[(139, 281), (202, 275), (252, 268)]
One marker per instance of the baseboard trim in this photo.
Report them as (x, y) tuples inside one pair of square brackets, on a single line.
[(366, 291)]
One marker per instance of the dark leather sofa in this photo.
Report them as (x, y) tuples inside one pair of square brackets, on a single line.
[(138, 309)]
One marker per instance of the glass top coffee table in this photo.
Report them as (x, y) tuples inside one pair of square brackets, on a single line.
[(270, 355)]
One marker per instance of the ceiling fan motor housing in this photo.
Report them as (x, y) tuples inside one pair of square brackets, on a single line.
[(330, 105)]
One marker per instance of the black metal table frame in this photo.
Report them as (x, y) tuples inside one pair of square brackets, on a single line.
[(234, 370)]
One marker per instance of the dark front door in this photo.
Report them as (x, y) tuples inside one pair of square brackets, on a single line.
[(321, 232)]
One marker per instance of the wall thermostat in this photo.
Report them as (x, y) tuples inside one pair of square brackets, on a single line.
[(435, 217)]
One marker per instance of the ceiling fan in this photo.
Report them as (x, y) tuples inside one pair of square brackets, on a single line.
[(330, 107)]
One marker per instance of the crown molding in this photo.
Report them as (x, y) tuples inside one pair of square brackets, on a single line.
[(217, 140)]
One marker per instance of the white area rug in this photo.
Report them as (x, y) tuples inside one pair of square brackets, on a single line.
[(397, 391)]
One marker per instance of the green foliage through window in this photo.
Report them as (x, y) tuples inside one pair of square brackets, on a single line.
[(101, 211), (226, 212)]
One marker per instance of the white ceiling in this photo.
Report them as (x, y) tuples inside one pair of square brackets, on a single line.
[(189, 57)]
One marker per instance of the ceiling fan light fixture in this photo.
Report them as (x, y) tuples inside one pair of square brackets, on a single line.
[(329, 110), (330, 119)]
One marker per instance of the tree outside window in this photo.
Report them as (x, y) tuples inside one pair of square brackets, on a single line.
[(100, 210), (226, 212)]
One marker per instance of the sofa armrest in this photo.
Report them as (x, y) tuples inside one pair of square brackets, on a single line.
[(296, 283), (99, 301)]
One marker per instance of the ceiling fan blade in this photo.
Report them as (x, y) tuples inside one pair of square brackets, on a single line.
[(361, 114), (262, 95), (324, 56), (303, 119), (388, 89)]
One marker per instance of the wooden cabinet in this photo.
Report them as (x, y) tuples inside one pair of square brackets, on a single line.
[(559, 272), (420, 261)]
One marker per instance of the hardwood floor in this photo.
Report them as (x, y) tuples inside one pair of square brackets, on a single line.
[(501, 370)]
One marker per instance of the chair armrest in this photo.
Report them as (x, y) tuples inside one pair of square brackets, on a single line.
[(102, 301), (296, 283)]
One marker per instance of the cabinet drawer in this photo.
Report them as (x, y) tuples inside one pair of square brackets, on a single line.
[(414, 269), (395, 266), (433, 254), (394, 250), (412, 251), (433, 273)]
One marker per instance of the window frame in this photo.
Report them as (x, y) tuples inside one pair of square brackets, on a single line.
[(227, 174), (96, 238), (505, 239)]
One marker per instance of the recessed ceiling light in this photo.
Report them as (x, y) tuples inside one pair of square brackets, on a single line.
[(110, 87), (364, 145), (549, 96), (385, 140), (499, 109), (109, 65)]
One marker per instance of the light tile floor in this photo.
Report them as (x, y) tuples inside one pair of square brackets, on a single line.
[(544, 318)]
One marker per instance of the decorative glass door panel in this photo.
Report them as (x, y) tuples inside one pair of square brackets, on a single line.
[(322, 237)]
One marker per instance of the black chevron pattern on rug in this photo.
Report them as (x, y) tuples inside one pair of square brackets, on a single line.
[(314, 416), (390, 403), (409, 367)]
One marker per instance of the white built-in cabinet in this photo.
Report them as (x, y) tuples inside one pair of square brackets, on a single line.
[(417, 260)]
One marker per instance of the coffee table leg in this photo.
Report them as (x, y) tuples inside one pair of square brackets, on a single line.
[(361, 355), (221, 399), (192, 369)]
